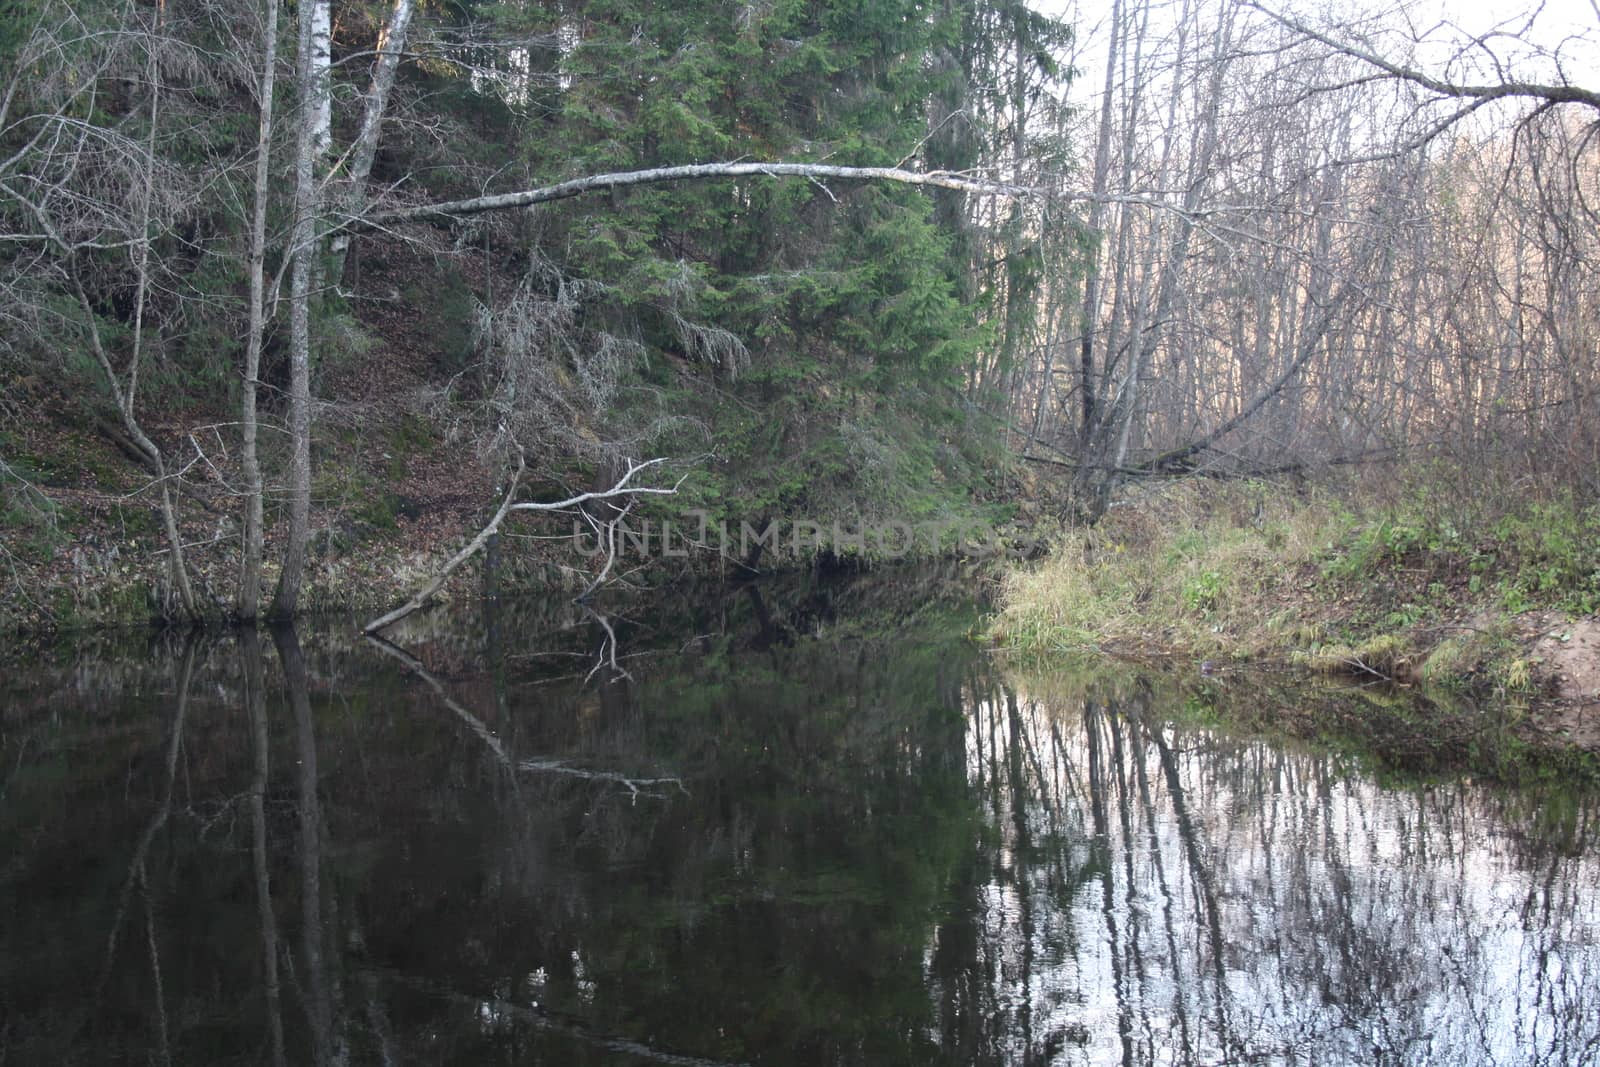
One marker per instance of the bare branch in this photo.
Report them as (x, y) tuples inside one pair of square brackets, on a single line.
[(1509, 88), (636, 787), (620, 489), (427, 592)]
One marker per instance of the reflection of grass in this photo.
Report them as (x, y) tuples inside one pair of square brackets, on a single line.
[(1398, 736)]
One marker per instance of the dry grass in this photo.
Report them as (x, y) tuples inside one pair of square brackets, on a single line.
[(1185, 568), (1413, 593)]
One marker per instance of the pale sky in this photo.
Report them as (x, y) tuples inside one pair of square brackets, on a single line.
[(1570, 26)]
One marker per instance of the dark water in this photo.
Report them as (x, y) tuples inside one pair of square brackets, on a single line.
[(808, 825)]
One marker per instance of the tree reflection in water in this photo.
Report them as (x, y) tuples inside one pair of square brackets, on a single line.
[(1169, 894), (810, 825)]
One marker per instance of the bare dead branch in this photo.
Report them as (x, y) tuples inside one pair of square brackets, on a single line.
[(636, 787), (428, 591), (1510, 88), (623, 488)]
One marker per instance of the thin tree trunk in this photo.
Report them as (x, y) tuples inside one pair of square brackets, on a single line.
[(146, 448), (314, 96), (1020, 310), (1089, 414), (391, 43), (175, 566), (249, 595), (1141, 341)]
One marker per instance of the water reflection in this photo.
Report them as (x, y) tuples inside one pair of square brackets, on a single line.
[(1161, 894), (810, 825)]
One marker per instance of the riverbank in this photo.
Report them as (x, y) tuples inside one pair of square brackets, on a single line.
[(404, 475), (87, 553), (81, 550), (1442, 592)]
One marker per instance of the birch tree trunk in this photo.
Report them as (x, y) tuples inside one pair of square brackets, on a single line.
[(320, 64), (478, 205), (315, 123), (391, 43)]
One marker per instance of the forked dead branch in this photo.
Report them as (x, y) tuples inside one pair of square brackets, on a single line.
[(624, 488)]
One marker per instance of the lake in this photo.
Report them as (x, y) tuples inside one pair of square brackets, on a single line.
[(798, 822)]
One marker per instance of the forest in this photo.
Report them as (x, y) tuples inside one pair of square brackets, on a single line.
[(852, 532), (304, 303)]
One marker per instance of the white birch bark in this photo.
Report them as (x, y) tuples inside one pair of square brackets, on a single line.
[(391, 44), (315, 111)]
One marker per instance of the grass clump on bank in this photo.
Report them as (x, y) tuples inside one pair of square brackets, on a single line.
[(1425, 586), (1181, 568)]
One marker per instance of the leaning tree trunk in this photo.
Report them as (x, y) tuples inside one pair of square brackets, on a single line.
[(478, 205), (391, 45)]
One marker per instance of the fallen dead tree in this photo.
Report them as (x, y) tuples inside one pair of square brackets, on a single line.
[(624, 488)]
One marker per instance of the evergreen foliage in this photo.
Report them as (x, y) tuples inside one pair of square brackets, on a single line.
[(800, 350), (816, 337)]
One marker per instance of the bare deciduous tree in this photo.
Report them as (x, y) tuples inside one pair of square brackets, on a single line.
[(91, 199), (1280, 270), (248, 599), (313, 137)]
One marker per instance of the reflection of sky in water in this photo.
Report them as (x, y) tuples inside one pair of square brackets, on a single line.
[(1159, 895)]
